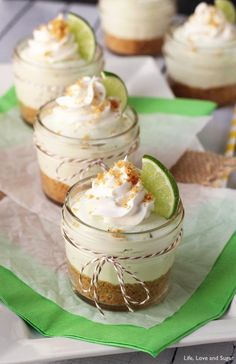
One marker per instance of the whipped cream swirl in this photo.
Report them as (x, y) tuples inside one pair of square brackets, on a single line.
[(119, 197), (208, 25), (84, 111), (53, 42)]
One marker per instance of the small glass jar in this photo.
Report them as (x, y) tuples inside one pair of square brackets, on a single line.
[(38, 83), (136, 27), (64, 160), (201, 72), (98, 259)]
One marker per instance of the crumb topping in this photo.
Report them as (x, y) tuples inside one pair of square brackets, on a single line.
[(132, 173), (148, 197), (100, 176), (117, 233), (115, 104), (58, 28), (90, 196)]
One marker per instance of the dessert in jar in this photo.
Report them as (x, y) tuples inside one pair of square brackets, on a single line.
[(200, 56), (55, 56), (135, 26), (121, 231), (90, 123)]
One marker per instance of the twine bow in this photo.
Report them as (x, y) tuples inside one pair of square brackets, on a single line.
[(100, 260)]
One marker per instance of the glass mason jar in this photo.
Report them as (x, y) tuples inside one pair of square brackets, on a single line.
[(136, 26), (201, 72), (98, 259), (38, 83), (64, 160)]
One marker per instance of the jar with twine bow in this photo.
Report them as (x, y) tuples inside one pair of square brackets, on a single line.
[(118, 270), (64, 160)]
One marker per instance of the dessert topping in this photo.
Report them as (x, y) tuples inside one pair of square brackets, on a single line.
[(207, 23), (53, 42), (121, 197), (86, 101)]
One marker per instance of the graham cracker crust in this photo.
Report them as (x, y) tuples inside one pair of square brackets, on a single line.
[(56, 191), (224, 95), (134, 47), (110, 297), (28, 114)]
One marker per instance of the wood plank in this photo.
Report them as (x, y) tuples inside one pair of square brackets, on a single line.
[(40, 13), (233, 354), (214, 354), (132, 358), (9, 11)]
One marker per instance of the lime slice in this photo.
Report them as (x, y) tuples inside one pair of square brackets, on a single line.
[(159, 181), (227, 8), (115, 87), (84, 35)]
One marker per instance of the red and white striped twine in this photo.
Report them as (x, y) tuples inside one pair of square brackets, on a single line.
[(100, 260), (87, 163)]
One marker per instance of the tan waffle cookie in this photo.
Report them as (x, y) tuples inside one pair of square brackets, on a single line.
[(205, 168)]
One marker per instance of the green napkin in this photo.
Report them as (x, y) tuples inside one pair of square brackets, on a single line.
[(209, 302), (145, 105)]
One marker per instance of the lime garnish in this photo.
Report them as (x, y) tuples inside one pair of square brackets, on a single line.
[(84, 35), (115, 87), (158, 180), (227, 8)]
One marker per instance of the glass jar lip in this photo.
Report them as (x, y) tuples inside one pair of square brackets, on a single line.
[(128, 108), (73, 63), (179, 23), (179, 212)]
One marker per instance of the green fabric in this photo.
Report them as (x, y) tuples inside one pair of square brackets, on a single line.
[(143, 105), (209, 302), (8, 100), (150, 105)]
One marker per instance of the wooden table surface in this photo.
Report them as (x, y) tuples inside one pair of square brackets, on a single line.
[(17, 19)]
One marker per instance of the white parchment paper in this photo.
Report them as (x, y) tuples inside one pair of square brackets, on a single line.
[(32, 247)]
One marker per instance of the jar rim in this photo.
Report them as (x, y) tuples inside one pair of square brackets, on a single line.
[(128, 109), (67, 205), (72, 63)]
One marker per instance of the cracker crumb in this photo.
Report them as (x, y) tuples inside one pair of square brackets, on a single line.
[(58, 28), (148, 197)]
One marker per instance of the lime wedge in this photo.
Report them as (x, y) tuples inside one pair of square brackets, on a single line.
[(84, 35), (159, 181), (115, 87), (227, 7)]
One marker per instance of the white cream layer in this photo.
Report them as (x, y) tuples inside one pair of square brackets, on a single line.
[(136, 19), (115, 243)]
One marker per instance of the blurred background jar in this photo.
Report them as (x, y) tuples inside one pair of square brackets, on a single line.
[(135, 27)]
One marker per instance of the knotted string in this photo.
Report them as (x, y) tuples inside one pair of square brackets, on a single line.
[(100, 260), (86, 163)]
